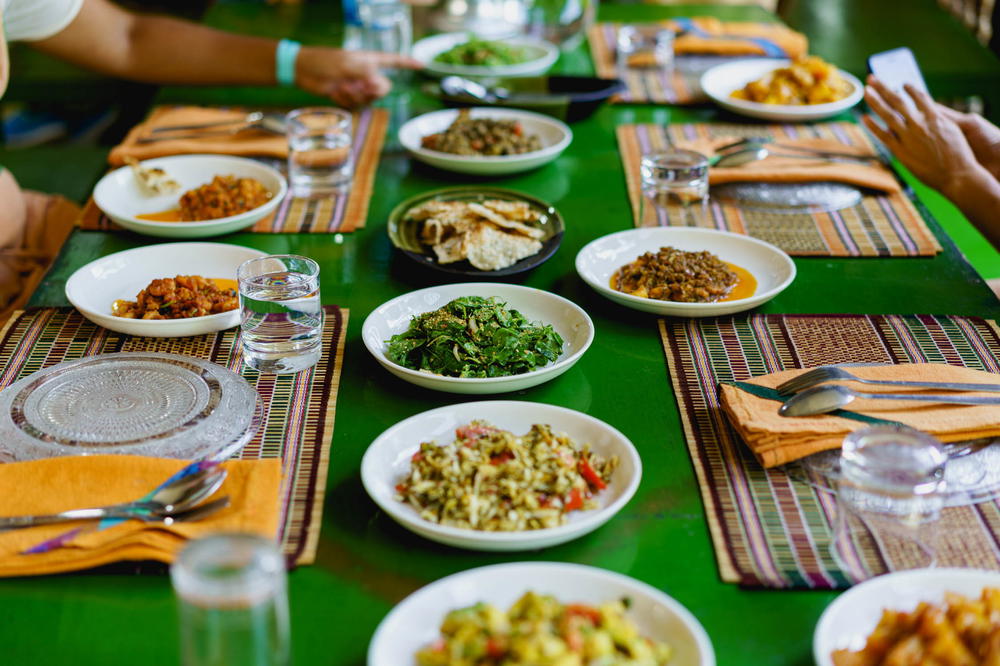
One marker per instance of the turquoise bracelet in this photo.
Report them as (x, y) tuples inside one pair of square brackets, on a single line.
[(284, 62)]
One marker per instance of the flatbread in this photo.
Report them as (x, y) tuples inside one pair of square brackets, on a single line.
[(152, 179), (501, 221), (490, 249)]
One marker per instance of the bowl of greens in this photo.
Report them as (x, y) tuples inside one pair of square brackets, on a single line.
[(478, 338), (466, 54)]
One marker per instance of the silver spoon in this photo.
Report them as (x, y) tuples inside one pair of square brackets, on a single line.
[(753, 153), (273, 124), (456, 86), (172, 499), (831, 397), (755, 141)]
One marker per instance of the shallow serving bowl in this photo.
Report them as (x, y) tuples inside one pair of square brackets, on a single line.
[(566, 317), (720, 82), (415, 622), (94, 287), (598, 260), (542, 55), (387, 462), (121, 197), (553, 134)]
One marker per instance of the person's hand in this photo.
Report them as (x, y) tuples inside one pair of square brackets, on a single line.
[(350, 78), (982, 135), (926, 141)]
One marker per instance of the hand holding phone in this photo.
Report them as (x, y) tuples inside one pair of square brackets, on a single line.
[(896, 68)]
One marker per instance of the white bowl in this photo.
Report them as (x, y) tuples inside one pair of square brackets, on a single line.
[(553, 134), (543, 56), (121, 197), (598, 260), (720, 82), (415, 622), (847, 622), (567, 318), (94, 287), (387, 462)]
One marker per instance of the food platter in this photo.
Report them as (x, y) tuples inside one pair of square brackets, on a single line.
[(388, 460), (773, 269), (568, 319), (553, 134), (719, 82), (122, 198), (404, 232), (847, 622), (541, 55), (414, 623), (94, 287)]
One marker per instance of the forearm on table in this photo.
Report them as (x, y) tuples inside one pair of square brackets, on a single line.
[(977, 195)]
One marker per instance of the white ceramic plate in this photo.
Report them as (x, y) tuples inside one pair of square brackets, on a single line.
[(553, 134), (121, 197), (415, 622), (542, 56), (720, 81), (566, 317), (847, 622), (94, 287), (387, 462), (599, 259)]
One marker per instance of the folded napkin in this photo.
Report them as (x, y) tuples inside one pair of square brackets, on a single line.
[(59, 484), (776, 440), (709, 35), (776, 169), (248, 142)]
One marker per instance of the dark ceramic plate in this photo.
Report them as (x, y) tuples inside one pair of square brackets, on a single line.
[(405, 233)]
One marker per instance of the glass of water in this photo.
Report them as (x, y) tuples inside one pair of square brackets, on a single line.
[(645, 48), (280, 314), (891, 491), (232, 601), (387, 26), (320, 155), (675, 186)]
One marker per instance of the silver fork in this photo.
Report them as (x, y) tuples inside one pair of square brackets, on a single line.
[(832, 373)]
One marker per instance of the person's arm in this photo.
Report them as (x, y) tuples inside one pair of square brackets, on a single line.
[(158, 49)]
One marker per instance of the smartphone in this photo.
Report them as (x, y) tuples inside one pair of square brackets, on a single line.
[(896, 68)]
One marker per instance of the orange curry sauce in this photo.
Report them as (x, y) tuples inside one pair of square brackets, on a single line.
[(164, 216), (746, 283)]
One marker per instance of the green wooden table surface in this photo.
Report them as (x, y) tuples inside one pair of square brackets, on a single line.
[(366, 563)]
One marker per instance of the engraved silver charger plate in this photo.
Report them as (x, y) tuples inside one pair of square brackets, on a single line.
[(789, 198), (136, 403)]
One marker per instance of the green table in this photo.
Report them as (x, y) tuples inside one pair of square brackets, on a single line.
[(366, 564)]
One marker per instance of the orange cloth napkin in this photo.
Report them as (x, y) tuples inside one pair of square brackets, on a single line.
[(774, 169), (249, 142), (776, 440), (720, 38), (58, 484)]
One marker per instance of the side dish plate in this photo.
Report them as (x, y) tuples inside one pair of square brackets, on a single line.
[(541, 56)]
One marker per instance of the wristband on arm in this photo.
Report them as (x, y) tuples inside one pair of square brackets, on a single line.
[(284, 62)]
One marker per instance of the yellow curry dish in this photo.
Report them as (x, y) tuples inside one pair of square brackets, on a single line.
[(809, 80)]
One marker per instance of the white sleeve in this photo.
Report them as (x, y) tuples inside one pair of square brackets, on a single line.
[(31, 20)]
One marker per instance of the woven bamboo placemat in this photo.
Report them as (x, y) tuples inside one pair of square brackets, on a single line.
[(335, 213), (298, 414), (881, 225), (771, 527)]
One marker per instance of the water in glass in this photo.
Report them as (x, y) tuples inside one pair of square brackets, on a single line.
[(387, 26), (645, 47), (675, 184), (281, 315), (320, 155)]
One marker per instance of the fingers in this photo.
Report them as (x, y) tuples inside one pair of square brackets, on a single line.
[(888, 138), (923, 102), (394, 60), (895, 122)]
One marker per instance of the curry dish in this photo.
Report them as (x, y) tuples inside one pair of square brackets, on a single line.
[(482, 136), (687, 277), (224, 196), (179, 297), (810, 80)]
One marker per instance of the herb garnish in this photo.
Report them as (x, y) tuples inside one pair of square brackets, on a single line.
[(475, 337)]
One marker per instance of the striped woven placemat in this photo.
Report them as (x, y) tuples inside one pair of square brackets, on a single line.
[(770, 527), (298, 414), (340, 212), (880, 225), (641, 85)]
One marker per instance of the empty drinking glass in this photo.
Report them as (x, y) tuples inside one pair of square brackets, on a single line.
[(675, 184), (645, 47), (320, 156), (281, 316), (232, 601), (890, 490)]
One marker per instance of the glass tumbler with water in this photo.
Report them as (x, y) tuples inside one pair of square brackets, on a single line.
[(891, 489), (644, 48), (674, 187), (280, 313), (232, 601), (320, 155), (387, 26)]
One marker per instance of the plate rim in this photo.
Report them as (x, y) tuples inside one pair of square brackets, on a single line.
[(539, 65)]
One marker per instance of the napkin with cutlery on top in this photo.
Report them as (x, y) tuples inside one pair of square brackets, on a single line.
[(52, 485), (776, 440), (250, 142), (709, 35)]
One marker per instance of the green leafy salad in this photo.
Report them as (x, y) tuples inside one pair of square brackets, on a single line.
[(475, 337), (483, 53)]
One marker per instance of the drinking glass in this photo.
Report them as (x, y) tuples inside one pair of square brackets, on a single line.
[(645, 47), (675, 184), (320, 158), (387, 26), (232, 602), (891, 490), (280, 314)]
